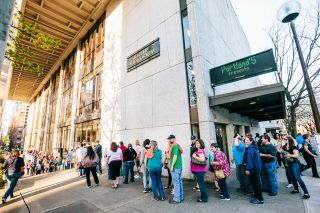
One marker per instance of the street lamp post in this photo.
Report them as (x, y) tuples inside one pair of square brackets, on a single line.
[(286, 14)]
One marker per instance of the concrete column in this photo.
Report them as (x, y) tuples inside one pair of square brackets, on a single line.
[(41, 113), (29, 127), (58, 106), (75, 101), (34, 123)]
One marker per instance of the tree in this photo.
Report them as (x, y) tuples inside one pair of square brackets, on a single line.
[(289, 71), (21, 55)]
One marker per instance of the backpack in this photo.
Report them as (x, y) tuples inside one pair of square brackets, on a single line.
[(130, 154)]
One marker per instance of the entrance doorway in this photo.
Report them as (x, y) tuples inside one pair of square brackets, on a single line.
[(221, 135)]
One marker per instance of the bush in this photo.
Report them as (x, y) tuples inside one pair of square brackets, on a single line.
[(2, 159)]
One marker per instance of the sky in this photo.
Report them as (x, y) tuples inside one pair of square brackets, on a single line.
[(257, 16)]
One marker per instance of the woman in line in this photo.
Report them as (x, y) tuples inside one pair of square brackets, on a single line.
[(166, 166), (211, 168), (222, 171), (284, 150), (90, 162), (253, 166), (153, 161), (114, 161), (276, 137), (14, 166), (146, 174), (199, 168), (292, 160)]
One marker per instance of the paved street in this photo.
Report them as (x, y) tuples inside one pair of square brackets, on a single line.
[(65, 192)]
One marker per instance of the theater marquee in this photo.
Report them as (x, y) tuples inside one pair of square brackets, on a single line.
[(145, 54)]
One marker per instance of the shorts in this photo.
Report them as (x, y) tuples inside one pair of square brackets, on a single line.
[(138, 163)]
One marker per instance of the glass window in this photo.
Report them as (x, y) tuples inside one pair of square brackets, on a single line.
[(192, 85), (186, 30)]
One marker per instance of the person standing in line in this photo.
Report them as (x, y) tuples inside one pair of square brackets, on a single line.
[(70, 157), (14, 166), (299, 140), (211, 167), (269, 178), (284, 150), (292, 159), (153, 160), (309, 155), (138, 150), (277, 138), (98, 150), (90, 162), (129, 156), (146, 175), (222, 171), (123, 148), (175, 153), (238, 149), (167, 167), (80, 153), (114, 161), (193, 149), (199, 168), (253, 167)]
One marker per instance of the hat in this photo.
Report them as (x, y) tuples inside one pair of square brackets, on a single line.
[(171, 137), (193, 137)]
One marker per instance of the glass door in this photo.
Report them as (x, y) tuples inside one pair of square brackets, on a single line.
[(222, 138)]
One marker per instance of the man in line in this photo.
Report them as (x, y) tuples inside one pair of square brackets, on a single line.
[(139, 149), (98, 150), (80, 153), (238, 149), (269, 178), (129, 157), (175, 153)]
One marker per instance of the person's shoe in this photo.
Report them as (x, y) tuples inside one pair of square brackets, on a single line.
[(173, 202), (125, 182), (306, 196), (294, 191), (88, 187), (220, 196), (4, 201), (167, 187), (163, 199), (272, 194), (256, 201), (225, 198), (289, 186), (145, 191), (97, 184), (195, 188), (132, 181)]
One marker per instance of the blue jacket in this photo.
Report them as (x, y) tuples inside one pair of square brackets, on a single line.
[(238, 153), (299, 139), (252, 160)]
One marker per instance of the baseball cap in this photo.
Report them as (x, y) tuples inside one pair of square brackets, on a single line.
[(171, 137)]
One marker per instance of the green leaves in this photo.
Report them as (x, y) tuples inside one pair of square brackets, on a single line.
[(20, 55)]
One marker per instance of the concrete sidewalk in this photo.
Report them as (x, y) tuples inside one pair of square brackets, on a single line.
[(65, 192)]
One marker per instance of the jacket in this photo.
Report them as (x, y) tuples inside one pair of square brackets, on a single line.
[(252, 160)]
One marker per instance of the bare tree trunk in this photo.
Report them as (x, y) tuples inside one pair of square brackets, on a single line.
[(292, 120)]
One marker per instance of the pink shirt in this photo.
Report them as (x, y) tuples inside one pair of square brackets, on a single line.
[(198, 168)]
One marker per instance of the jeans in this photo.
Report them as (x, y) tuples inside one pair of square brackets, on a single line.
[(243, 179), (288, 174), (157, 183), (202, 185), (128, 166), (99, 168), (178, 185), (223, 187), (94, 174), (82, 172), (255, 181), (269, 177), (279, 159), (296, 177), (311, 163), (13, 179), (146, 178)]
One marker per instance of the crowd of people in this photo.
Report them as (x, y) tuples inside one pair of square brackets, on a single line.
[(256, 160)]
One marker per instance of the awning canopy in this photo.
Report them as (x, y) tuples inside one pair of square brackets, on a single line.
[(259, 103)]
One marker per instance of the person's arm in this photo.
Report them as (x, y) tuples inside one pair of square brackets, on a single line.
[(108, 158), (294, 155), (174, 160), (236, 142), (199, 157), (308, 151)]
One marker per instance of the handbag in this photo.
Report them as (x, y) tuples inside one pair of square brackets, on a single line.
[(220, 174), (197, 162)]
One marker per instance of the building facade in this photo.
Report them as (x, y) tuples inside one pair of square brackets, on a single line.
[(142, 71)]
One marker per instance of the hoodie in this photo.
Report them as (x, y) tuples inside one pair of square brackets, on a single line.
[(252, 160)]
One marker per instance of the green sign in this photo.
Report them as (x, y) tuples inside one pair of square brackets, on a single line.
[(250, 66)]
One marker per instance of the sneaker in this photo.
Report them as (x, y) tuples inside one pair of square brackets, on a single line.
[(125, 182), (294, 191), (289, 186), (145, 191), (88, 187), (272, 194), (224, 198), (256, 201), (173, 202), (4, 201), (97, 184), (306, 196)]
